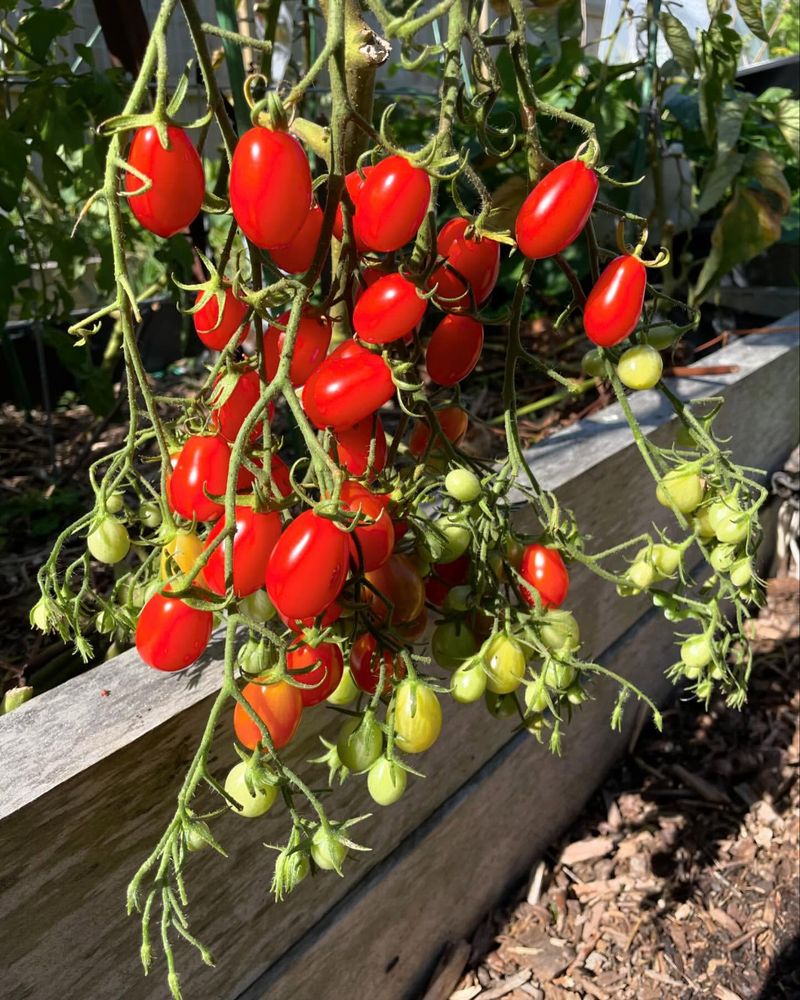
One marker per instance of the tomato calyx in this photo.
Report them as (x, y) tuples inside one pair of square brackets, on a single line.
[(661, 259)]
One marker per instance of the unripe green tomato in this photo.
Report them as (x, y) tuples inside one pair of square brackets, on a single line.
[(109, 541), (536, 698), (462, 485), (731, 525), (417, 717), (722, 558), (115, 503), (504, 663), (327, 850), (501, 706), (575, 693), (559, 675), (535, 726), (104, 622), (452, 643), (150, 515), (642, 574), (741, 572), (386, 781), (39, 616), (559, 631), (257, 606), (513, 550), (360, 743), (456, 540), (667, 558), (697, 651), (681, 488), (662, 336), (691, 673), (421, 559), (495, 560), (468, 683), (640, 367), (702, 524), (251, 804), (458, 598), (193, 835), (593, 363), (346, 690), (704, 689)]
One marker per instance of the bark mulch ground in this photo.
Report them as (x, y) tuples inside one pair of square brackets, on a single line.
[(682, 877)]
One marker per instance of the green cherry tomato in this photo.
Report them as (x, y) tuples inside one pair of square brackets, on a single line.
[(731, 525), (504, 662), (150, 515), (257, 606), (702, 524), (109, 541), (456, 540), (722, 558), (468, 683), (462, 485), (697, 652), (666, 558), (501, 706), (559, 675), (559, 631), (662, 336), (115, 503), (360, 743), (536, 697), (593, 363), (452, 643), (640, 367), (196, 835), (386, 781), (741, 572), (346, 690), (681, 488), (252, 803), (327, 850), (39, 616), (642, 574), (417, 717), (458, 598)]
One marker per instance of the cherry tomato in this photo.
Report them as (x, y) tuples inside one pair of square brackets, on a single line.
[(270, 187), (228, 417), (349, 385), (386, 781), (175, 196), (417, 717), (504, 663), (555, 212), (388, 310), (470, 265), (109, 541), (360, 743), (326, 670), (297, 256), (252, 802), (308, 566), (544, 569), (365, 665), (640, 367), (169, 634), (311, 344), (279, 706), (445, 576), (281, 479), (216, 332), (354, 182), (614, 305), (468, 683), (682, 488), (201, 468), (370, 544), (402, 588), (453, 421), (391, 204), (329, 616), (413, 630), (452, 643), (454, 349), (255, 538), (353, 447), (185, 547)]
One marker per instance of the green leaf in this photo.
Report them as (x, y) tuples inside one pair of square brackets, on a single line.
[(718, 179), (679, 41), (40, 29), (753, 18), (764, 168), (15, 163), (786, 115), (729, 122)]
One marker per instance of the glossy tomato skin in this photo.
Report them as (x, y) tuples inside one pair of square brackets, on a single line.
[(214, 332), (255, 538), (178, 185), (471, 265), (453, 421), (228, 417), (349, 385), (297, 256), (388, 310), (354, 182), (454, 349), (326, 670), (270, 187), (555, 212), (353, 447), (279, 706), (308, 566), (279, 471), (544, 569), (401, 586), (614, 305), (202, 467), (365, 665), (169, 634), (370, 544), (310, 346), (329, 616), (391, 204)]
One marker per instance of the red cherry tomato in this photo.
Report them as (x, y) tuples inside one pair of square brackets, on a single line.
[(470, 265), (354, 182), (400, 586), (349, 385), (353, 447), (169, 634), (329, 616), (453, 421), (202, 467), (392, 204), (280, 475), (365, 665), (228, 417), (308, 566), (555, 212), (255, 538), (310, 346), (615, 303), (279, 706), (445, 576), (388, 310), (175, 196), (270, 187), (215, 332), (297, 256), (370, 544), (544, 570), (323, 678), (454, 349)]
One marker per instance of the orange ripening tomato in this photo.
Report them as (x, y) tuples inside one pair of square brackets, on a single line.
[(279, 706), (453, 421), (555, 212)]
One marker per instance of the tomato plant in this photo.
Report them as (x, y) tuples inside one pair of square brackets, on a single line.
[(307, 567), (391, 204)]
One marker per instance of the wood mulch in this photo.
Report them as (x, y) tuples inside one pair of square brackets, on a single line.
[(681, 879)]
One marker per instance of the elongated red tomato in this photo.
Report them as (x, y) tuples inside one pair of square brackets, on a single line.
[(228, 416), (331, 614), (175, 196), (202, 468), (401, 587), (353, 447), (349, 385), (471, 266), (388, 310), (296, 257), (253, 542), (454, 349), (354, 182), (365, 665), (270, 187), (169, 634), (280, 475), (310, 346), (370, 544), (544, 569), (308, 566), (279, 706), (216, 331), (326, 670), (392, 204), (453, 421), (555, 212), (615, 303)]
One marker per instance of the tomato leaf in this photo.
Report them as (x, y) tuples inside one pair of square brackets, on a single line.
[(680, 41), (15, 163), (41, 27), (750, 11)]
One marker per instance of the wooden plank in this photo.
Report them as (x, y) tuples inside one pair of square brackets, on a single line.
[(108, 790)]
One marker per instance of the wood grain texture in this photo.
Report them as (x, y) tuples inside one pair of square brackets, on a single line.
[(78, 821)]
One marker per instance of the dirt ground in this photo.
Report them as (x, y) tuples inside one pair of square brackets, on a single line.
[(682, 877)]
